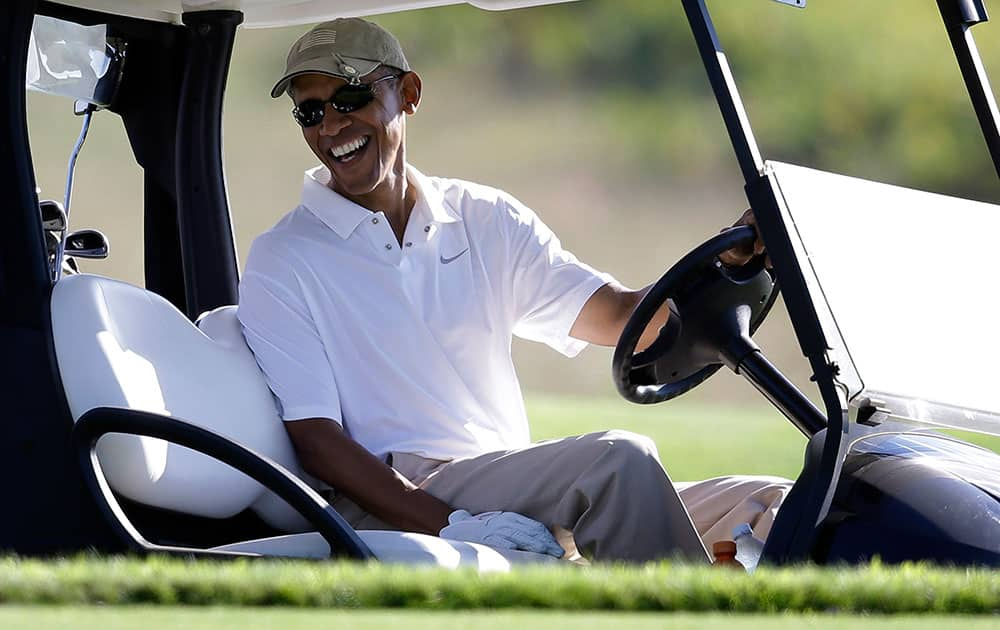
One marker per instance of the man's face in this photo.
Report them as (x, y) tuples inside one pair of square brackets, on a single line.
[(362, 148)]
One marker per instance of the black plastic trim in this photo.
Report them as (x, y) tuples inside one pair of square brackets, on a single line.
[(24, 276), (779, 547), (782, 393), (959, 16), (972, 11), (796, 528), (206, 234), (728, 97), (343, 540)]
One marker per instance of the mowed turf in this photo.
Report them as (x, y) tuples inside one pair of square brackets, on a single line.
[(210, 619), (660, 587), (695, 440)]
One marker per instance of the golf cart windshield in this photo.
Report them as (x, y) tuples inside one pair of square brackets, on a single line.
[(907, 277)]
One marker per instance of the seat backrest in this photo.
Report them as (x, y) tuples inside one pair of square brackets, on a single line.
[(118, 345)]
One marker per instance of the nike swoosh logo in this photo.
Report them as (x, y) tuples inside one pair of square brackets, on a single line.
[(445, 261)]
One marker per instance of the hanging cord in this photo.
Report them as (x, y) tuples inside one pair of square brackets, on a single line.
[(87, 111)]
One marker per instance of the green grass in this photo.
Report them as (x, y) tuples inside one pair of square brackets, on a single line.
[(209, 619), (695, 441), (652, 588)]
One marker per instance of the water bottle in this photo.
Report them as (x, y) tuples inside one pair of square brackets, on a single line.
[(724, 552), (748, 548)]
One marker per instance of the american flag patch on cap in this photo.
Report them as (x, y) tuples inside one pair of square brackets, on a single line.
[(318, 37)]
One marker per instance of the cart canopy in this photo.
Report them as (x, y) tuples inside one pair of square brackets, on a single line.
[(266, 13)]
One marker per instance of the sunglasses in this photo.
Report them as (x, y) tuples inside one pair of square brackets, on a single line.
[(349, 98)]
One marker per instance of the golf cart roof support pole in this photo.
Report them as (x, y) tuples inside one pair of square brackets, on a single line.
[(206, 232), (795, 532), (726, 94), (959, 17), (24, 278)]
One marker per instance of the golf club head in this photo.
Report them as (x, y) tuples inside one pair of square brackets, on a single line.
[(53, 215), (87, 244)]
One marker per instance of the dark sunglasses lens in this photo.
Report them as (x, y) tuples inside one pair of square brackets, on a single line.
[(347, 99), (352, 97), (309, 113)]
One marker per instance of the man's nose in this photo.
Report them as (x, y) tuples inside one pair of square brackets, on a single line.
[(333, 121)]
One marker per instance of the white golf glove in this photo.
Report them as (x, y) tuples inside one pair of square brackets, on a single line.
[(504, 530)]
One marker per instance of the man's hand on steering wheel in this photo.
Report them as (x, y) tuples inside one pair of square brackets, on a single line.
[(719, 306), (741, 255)]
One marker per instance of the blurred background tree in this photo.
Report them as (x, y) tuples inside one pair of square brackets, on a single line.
[(826, 85)]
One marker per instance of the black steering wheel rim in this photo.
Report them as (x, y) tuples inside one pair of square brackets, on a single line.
[(696, 262)]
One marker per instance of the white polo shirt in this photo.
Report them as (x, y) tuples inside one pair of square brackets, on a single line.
[(409, 347)]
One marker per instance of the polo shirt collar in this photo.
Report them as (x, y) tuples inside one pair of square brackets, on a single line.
[(343, 216), (430, 202), (339, 213)]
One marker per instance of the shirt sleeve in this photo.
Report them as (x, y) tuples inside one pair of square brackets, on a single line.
[(547, 284), (282, 334)]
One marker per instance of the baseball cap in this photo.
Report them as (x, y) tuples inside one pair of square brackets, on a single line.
[(347, 48)]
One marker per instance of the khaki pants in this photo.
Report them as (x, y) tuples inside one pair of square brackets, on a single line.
[(608, 489)]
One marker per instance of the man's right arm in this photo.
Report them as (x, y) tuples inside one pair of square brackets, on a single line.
[(329, 454), (279, 328)]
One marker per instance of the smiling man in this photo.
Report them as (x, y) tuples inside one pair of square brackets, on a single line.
[(381, 311)]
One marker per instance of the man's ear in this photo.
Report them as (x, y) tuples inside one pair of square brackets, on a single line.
[(411, 88)]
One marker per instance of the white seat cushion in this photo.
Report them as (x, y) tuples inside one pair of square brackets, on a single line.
[(223, 327), (118, 345)]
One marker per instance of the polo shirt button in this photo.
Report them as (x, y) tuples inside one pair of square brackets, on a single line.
[(388, 246), (375, 221), (409, 244), (427, 229)]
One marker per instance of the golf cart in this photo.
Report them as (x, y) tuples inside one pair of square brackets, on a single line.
[(134, 429)]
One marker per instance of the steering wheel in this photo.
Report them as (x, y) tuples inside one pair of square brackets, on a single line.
[(715, 310)]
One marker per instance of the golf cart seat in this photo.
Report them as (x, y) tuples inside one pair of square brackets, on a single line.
[(120, 347)]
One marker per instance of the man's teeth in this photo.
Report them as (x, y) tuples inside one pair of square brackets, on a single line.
[(344, 149)]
